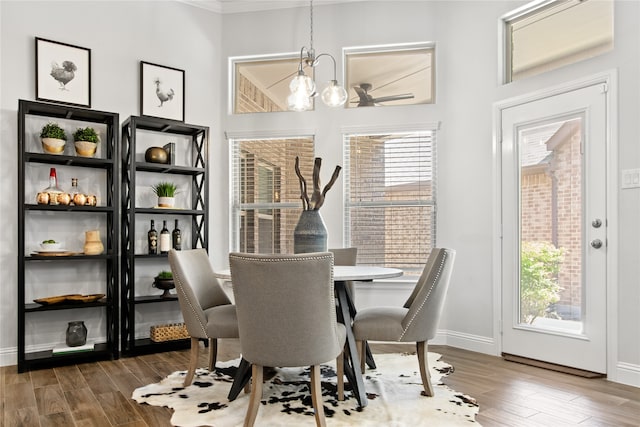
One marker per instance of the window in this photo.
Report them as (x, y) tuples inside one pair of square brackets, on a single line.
[(261, 84), (554, 34), (266, 192), (390, 198), (399, 74)]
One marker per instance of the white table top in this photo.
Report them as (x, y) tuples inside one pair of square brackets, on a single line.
[(343, 273)]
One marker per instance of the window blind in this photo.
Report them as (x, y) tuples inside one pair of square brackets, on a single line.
[(266, 192), (390, 198)]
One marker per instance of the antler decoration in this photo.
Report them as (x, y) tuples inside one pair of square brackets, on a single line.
[(317, 197)]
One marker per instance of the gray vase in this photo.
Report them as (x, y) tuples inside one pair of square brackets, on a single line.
[(310, 234), (76, 334)]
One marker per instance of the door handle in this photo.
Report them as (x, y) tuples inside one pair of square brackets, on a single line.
[(596, 223), (596, 243)]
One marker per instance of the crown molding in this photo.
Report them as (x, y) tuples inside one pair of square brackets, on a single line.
[(240, 6)]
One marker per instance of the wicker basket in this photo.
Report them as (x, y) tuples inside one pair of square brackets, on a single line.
[(169, 332)]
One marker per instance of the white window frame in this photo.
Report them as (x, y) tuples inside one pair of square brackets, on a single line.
[(234, 206), (348, 132)]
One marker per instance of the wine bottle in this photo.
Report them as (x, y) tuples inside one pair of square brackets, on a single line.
[(53, 190), (152, 237), (165, 238), (177, 237)]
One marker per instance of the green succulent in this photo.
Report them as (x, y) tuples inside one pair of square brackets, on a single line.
[(165, 189), (86, 134), (53, 130), (165, 275)]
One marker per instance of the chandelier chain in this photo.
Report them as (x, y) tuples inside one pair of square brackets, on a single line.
[(311, 23)]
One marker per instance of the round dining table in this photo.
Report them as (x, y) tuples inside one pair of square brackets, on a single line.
[(346, 312)]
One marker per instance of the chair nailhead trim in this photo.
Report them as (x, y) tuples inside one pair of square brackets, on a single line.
[(435, 281)]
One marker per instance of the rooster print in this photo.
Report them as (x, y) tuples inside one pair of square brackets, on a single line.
[(162, 94), (64, 74)]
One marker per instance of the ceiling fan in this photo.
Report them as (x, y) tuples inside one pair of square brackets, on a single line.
[(367, 100)]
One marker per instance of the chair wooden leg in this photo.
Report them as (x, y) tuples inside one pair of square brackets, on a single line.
[(421, 348), (213, 353), (193, 361), (362, 354), (256, 395), (316, 396), (340, 375)]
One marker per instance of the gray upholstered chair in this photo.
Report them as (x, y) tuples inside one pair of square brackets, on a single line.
[(417, 320), (207, 310), (287, 317), (346, 256)]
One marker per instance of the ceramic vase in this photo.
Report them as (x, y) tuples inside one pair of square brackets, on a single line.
[(310, 234), (93, 244), (166, 202), (76, 334), (85, 148), (53, 145)]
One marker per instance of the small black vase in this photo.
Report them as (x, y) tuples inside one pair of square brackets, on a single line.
[(76, 334), (310, 234)]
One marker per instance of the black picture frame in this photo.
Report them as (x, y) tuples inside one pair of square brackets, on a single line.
[(63, 73), (162, 91)]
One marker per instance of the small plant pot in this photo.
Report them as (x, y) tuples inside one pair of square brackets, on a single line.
[(166, 202), (85, 148), (165, 285), (53, 145)]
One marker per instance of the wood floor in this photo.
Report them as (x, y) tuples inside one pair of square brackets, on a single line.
[(509, 394)]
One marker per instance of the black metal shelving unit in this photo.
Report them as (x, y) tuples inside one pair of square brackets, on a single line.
[(108, 212), (196, 137)]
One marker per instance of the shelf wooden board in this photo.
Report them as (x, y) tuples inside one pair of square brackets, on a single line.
[(168, 211), (93, 162), (68, 208), (173, 169), (146, 299), (35, 307)]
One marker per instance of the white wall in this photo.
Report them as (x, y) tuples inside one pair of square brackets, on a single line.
[(467, 86), (466, 36), (120, 35)]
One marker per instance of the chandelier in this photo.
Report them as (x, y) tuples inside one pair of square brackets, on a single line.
[(303, 88)]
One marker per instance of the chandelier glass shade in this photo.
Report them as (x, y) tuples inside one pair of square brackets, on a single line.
[(303, 87)]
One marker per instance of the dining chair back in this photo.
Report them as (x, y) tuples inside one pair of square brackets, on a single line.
[(206, 308), (286, 317), (346, 256), (416, 321)]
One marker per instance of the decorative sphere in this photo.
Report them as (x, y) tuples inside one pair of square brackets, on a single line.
[(156, 155)]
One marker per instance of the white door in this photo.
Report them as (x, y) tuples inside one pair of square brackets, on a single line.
[(554, 217)]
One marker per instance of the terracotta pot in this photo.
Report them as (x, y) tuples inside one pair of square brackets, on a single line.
[(93, 244), (85, 148), (53, 145)]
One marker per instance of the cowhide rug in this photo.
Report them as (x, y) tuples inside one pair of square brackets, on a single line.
[(393, 390)]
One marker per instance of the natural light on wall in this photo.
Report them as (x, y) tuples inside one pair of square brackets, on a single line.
[(552, 34)]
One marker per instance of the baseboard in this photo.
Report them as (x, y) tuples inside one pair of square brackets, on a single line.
[(627, 373), (477, 343)]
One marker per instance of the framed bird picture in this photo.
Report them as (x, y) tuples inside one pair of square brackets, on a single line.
[(63, 73), (161, 91)]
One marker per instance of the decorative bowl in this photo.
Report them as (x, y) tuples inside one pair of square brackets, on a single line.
[(164, 284), (50, 247)]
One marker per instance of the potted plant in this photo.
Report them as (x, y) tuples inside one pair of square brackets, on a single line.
[(166, 192), (164, 281), (53, 138), (86, 141)]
